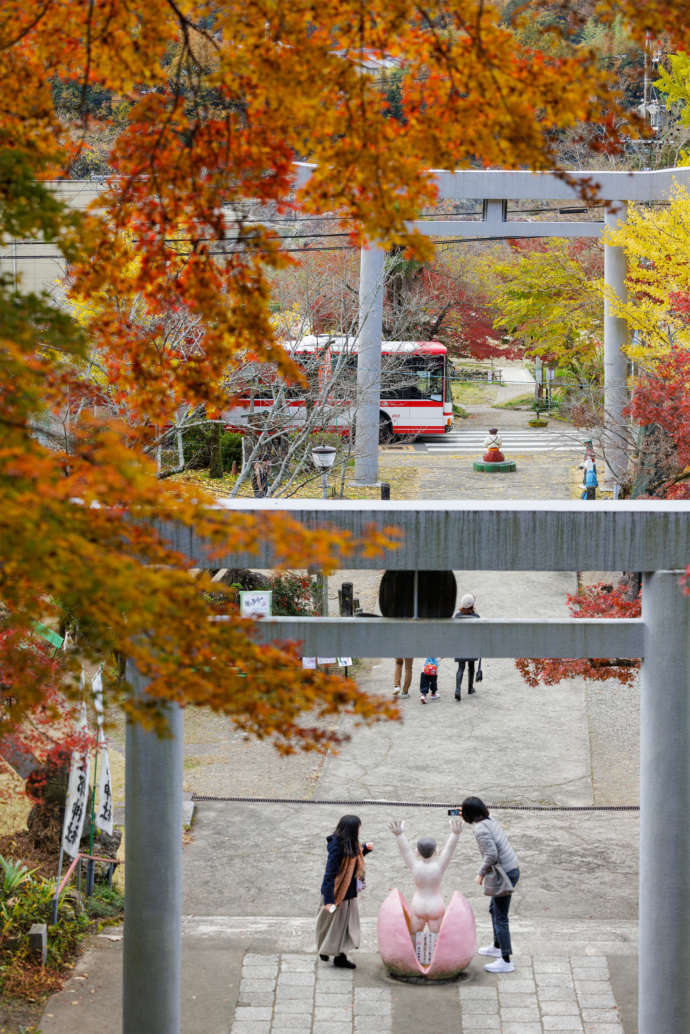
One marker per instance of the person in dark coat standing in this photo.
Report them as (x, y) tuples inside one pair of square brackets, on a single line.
[(466, 611), (337, 923)]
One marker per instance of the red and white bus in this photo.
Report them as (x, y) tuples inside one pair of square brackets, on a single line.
[(415, 388)]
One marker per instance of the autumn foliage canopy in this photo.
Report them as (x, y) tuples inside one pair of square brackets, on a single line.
[(221, 100)]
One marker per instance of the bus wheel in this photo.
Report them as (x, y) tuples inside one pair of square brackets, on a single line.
[(385, 429)]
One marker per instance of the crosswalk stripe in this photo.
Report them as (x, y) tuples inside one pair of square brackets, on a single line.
[(469, 436), (523, 443), (508, 454), (510, 444)]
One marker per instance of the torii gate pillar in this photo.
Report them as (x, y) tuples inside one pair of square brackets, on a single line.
[(369, 365), (153, 874), (664, 937), (615, 361)]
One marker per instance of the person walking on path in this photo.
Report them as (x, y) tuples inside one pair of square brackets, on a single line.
[(428, 680), (337, 923), (495, 849), (466, 611), (590, 482), (400, 682)]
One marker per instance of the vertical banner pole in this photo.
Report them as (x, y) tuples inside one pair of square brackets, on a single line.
[(53, 918)]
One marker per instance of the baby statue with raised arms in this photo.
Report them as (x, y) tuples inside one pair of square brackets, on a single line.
[(427, 868)]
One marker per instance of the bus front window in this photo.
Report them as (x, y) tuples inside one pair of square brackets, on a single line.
[(429, 378), (412, 377)]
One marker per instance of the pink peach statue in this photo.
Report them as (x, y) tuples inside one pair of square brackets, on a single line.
[(425, 939)]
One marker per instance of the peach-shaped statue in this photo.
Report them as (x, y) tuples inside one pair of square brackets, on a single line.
[(405, 947)]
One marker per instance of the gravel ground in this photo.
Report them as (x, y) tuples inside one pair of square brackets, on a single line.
[(613, 712)]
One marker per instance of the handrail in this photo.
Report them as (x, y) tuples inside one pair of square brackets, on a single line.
[(67, 875), (112, 862)]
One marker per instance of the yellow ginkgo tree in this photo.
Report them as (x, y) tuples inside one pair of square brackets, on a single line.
[(547, 294), (656, 243)]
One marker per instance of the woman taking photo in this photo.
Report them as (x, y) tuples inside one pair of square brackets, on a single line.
[(495, 848), (337, 924)]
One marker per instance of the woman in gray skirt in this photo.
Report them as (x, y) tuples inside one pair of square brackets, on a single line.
[(337, 924)]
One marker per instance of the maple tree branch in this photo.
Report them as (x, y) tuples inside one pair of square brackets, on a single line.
[(613, 662), (87, 69), (684, 476), (435, 326), (187, 23), (29, 28)]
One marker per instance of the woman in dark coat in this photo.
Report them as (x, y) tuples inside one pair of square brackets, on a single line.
[(466, 611), (337, 924)]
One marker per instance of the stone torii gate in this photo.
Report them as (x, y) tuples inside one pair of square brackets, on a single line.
[(653, 537), (494, 188)]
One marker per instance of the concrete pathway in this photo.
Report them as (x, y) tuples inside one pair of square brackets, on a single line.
[(282, 989)]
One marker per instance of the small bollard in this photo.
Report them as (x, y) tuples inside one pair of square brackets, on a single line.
[(345, 599), (38, 941), (385, 490)]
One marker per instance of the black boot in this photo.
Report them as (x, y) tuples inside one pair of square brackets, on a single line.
[(324, 958), (457, 695), (342, 962)]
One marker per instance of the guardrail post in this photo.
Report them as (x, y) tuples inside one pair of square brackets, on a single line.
[(664, 947), (153, 874)]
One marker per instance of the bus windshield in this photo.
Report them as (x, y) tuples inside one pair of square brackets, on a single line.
[(412, 377), (403, 376)]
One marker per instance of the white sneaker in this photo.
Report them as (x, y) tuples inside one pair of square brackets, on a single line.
[(495, 953), (396, 690), (422, 700), (499, 966), (435, 696)]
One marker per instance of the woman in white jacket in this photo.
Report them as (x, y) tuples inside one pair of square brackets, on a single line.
[(494, 847)]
